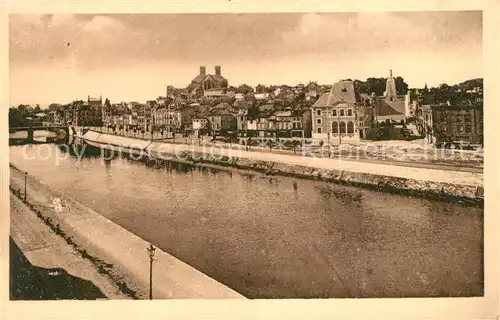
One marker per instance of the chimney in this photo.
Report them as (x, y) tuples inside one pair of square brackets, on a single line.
[(203, 71), (217, 70)]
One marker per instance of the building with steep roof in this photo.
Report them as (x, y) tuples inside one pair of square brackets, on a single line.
[(336, 115)]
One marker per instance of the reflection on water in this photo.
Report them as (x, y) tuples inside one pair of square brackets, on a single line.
[(275, 236)]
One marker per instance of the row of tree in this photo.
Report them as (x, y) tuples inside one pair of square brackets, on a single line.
[(376, 85)]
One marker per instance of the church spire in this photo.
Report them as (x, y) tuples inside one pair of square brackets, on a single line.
[(390, 87)]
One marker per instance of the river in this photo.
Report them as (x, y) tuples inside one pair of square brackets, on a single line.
[(275, 237)]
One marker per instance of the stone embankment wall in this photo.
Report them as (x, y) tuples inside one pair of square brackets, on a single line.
[(431, 183)]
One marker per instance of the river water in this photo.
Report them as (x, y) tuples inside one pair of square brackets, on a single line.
[(275, 237)]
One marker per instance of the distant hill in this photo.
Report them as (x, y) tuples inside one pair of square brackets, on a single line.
[(470, 84)]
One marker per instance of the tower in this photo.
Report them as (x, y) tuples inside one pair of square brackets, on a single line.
[(390, 88)]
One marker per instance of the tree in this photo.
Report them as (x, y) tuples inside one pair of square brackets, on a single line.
[(245, 89), (54, 106), (260, 89), (253, 112), (300, 97), (16, 117), (401, 86)]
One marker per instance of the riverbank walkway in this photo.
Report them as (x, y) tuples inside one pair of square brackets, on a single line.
[(43, 248), (402, 154), (438, 175), (99, 237)]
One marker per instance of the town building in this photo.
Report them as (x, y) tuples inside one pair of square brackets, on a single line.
[(289, 123), (241, 121), (200, 126), (163, 118), (335, 115), (457, 121), (222, 119), (87, 113), (259, 124)]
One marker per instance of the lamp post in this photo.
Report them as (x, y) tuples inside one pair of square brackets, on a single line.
[(25, 184), (151, 253), (329, 145)]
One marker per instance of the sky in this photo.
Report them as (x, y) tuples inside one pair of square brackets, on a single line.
[(60, 58)]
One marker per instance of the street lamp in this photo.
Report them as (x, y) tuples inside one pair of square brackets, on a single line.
[(25, 184), (329, 150), (151, 253)]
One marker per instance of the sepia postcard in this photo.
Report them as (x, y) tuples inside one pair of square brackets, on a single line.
[(250, 160)]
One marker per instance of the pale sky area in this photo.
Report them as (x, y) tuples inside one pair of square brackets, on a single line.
[(60, 58)]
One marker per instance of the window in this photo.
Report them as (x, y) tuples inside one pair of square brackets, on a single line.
[(318, 112), (335, 127), (349, 112), (318, 121), (468, 128), (460, 129), (319, 130), (342, 113), (334, 112), (350, 127), (342, 127)]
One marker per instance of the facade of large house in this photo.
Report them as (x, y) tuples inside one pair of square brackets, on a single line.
[(461, 120), (335, 115), (166, 119)]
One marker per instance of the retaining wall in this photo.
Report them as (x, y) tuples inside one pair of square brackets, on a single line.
[(445, 184)]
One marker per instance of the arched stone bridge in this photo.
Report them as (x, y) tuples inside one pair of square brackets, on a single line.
[(31, 128)]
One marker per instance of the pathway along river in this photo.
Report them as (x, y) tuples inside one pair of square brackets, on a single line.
[(275, 237)]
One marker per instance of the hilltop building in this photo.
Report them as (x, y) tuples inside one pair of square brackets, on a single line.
[(208, 84)]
